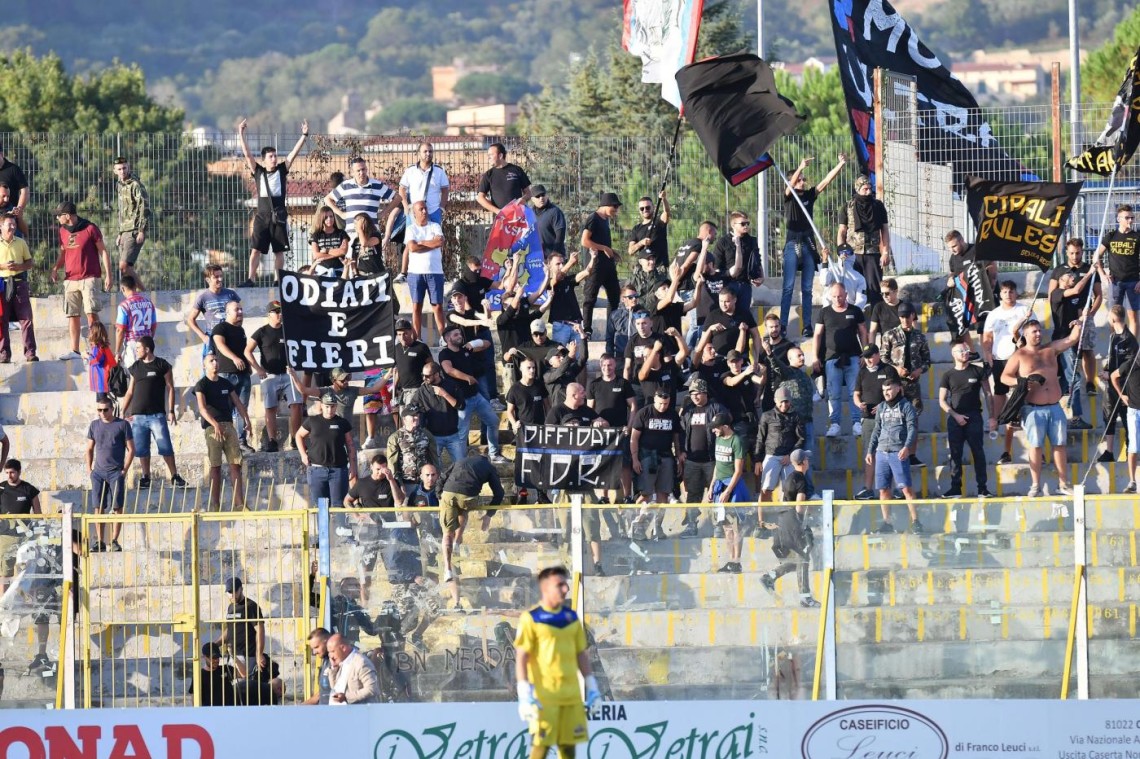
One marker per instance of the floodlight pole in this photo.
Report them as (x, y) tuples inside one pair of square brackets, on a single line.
[(1074, 80)]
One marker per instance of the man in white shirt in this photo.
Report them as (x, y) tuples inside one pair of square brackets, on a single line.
[(423, 261), (425, 181), (998, 345)]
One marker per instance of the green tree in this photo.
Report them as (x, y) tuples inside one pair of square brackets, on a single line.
[(1103, 70), (408, 113), (818, 97), (495, 87), (39, 95)]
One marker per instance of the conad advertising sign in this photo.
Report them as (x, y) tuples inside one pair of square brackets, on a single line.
[(627, 730)]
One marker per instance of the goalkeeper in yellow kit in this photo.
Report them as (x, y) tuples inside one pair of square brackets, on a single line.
[(550, 650)]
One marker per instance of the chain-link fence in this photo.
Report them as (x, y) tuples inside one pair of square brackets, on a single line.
[(202, 197)]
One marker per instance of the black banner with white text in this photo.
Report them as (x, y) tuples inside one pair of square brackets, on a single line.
[(337, 323), (969, 299), (569, 458), (1022, 222)]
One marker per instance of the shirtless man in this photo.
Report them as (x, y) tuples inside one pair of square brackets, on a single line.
[(1042, 416)]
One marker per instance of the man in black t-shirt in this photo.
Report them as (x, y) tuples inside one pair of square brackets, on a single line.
[(440, 402), (327, 450), (150, 406), (611, 395), (649, 233), (244, 628), (503, 182), (411, 356), (460, 360), (563, 368), (736, 321), (655, 447), (1066, 305), (217, 679), (229, 341), (573, 410), (737, 255), (793, 540), (637, 350), (960, 396), (526, 400), (16, 497), (565, 313), (597, 239), (535, 347), (800, 254), (1122, 246), (272, 370), (1122, 347), (698, 437), (271, 221), (867, 395), (884, 315), (1074, 262), (217, 402), (840, 334)]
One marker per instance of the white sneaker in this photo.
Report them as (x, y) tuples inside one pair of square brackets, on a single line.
[(69, 356), (857, 429), (369, 443), (344, 532), (832, 431)]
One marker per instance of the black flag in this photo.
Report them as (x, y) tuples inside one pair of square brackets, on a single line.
[(969, 299), (338, 323), (870, 34), (1121, 135), (1020, 221), (733, 106)]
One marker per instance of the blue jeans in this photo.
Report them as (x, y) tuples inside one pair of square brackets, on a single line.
[(837, 378), (797, 258), (1069, 383), (241, 383), (563, 332), (743, 295), (455, 445), (479, 406), (328, 482), (143, 427), (489, 379)]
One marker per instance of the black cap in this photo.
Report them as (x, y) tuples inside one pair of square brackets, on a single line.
[(610, 199), (402, 324), (274, 305), (537, 190), (410, 410), (211, 650), (906, 308), (646, 253), (559, 351), (232, 584), (870, 350), (457, 290), (722, 419)]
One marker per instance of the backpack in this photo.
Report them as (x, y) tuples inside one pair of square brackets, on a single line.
[(118, 381)]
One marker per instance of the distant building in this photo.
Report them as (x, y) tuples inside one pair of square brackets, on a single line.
[(482, 119), (1002, 81), (444, 78), (822, 64)]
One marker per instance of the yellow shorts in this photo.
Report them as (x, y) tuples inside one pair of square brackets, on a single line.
[(79, 297), (560, 725)]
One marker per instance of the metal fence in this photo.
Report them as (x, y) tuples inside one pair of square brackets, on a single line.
[(202, 197)]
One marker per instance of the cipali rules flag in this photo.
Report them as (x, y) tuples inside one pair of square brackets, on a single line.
[(1022, 222), (1121, 135), (663, 33), (732, 104)]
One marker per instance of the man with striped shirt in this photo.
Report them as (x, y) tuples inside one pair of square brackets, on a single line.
[(362, 194)]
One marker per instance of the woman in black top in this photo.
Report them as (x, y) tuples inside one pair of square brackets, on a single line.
[(328, 244), (366, 258)]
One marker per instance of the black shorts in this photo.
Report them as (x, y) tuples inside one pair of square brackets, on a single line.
[(266, 233), (1000, 388)]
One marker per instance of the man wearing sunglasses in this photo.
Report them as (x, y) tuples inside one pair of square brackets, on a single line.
[(649, 233), (110, 451), (737, 254)]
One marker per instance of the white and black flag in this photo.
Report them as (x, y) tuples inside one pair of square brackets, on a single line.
[(567, 457), (871, 34), (337, 323), (1121, 136)]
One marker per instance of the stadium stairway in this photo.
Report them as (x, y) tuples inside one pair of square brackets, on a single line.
[(976, 607)]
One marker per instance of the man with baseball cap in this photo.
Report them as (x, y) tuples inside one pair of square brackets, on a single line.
[(781, 431), (698, 439), (344, 394), (794, 540), (244, 629), (269, 341), (411, 355), (327, 450), (597, 239), (549, 221), (905, 348), (563, 368), (873, 374), (889, 449), (728, 487)]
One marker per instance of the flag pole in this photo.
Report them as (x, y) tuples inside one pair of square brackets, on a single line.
[(668, 170), (1092, 288)]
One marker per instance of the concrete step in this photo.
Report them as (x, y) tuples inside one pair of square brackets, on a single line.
[(1003, 480)]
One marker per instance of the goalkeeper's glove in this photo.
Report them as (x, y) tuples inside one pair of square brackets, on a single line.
[(528, 704), (593, 695)]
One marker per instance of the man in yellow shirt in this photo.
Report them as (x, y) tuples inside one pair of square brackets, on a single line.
[(15, 260), (550, 651)]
